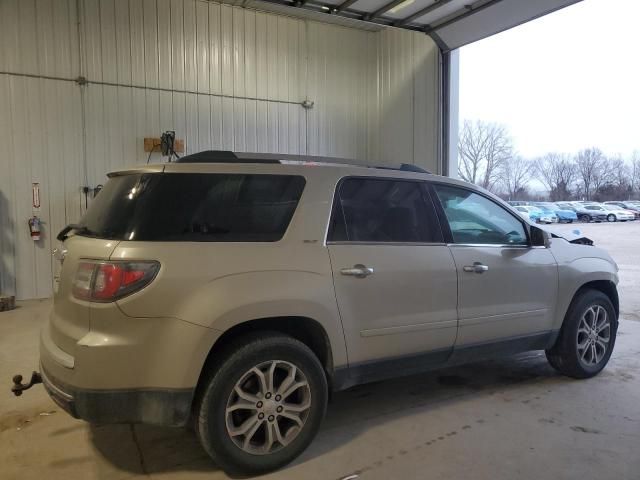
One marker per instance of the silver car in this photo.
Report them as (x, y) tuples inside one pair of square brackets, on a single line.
[(234, 292)]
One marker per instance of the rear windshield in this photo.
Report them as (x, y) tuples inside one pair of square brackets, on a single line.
[(194, 207)]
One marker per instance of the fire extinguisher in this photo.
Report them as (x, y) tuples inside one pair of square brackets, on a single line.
[(35, 228)]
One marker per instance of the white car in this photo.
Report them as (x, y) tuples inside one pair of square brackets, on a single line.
[(617, 214)]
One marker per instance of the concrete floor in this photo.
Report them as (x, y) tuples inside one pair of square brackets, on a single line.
[(508, 419)]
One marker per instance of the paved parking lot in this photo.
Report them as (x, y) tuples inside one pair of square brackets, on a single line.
[(508, 419)]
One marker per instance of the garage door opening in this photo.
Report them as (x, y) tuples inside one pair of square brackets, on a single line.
[(548, 109)]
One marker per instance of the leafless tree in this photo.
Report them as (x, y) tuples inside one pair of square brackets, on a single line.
[(483, 148), (603, 175), (620, 173), (589, 163), (515, 174), (557, 172), (635, 172)]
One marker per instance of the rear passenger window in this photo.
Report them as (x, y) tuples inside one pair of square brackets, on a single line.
[(377, 210)]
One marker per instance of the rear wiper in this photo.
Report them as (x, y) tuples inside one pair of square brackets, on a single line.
[(80, 229)]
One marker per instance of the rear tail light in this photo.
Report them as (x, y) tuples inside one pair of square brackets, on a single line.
[(98, 281)]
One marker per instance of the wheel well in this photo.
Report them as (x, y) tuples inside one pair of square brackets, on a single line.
[(605, 286), (304, 329)]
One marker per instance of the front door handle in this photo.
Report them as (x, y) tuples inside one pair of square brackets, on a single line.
[(477, 267), (358, 270)]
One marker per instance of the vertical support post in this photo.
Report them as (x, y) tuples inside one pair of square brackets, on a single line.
[(453, 114)]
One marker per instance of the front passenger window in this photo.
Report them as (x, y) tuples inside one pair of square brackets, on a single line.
[(475, 219)]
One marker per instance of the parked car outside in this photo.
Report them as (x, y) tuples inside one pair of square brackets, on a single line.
[(532, 213), (233, 292), (617, 214), (585, 214), (525, 212), (537, 215), (564, 215), (547, 214), (630, 206)]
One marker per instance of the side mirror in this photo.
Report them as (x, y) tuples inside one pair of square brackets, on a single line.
[(539, 237)]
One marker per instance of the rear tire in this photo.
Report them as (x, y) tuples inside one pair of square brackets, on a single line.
[(584, 218), (274, 387), (611, 218), (587, 337)]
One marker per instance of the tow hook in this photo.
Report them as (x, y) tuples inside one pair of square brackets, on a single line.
[(19, 387)]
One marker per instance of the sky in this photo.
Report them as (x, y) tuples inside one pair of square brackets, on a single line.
[(562, 83)]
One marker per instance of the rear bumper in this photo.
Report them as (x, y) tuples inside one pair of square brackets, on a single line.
[(153, 406), (125, 369)]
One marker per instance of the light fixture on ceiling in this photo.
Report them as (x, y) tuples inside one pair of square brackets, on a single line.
[(401, 6)]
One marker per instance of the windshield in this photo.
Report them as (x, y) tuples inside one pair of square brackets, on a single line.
[(193, 207)]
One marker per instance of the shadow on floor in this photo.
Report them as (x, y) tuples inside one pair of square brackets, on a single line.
[(151, 450)]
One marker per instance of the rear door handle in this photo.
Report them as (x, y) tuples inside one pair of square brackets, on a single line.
[(477, 267), (358, 270)]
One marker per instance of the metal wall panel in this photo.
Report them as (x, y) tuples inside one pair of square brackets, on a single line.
[(405, 115), (222, 77), (40, 130)]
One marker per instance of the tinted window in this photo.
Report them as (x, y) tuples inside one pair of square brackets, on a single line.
[(373, 210), (194, 207), (477, 220)]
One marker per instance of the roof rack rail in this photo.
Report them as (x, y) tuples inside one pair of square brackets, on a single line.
[(226, 156), (406, 167)]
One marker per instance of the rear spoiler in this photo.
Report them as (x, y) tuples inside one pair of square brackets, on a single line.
[(158, 168)]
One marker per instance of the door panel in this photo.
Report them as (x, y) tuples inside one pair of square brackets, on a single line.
[(506, 288), (515, 296), (394, 277), (406, 306)]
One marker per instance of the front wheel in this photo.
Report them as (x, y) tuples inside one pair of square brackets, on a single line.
[(611, 218), (263, 405), (587, 337)]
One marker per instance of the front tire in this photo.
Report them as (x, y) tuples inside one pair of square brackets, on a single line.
[(611, 218), (263, 405), (587, 337)]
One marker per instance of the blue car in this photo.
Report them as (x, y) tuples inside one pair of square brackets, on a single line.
[(536, 214), (568, 216)]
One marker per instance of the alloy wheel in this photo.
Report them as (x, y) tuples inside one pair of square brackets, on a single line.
[(594, 335), (268, 407)]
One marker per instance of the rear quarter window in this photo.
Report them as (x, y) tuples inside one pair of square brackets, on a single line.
[(195, 207)]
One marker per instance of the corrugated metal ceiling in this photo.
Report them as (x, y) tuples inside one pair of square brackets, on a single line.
[(451, 23)]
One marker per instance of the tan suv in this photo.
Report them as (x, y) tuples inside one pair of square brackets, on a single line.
[(235, 291)]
